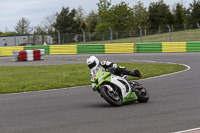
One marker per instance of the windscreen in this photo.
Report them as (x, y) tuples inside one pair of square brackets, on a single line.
[(96, 70)]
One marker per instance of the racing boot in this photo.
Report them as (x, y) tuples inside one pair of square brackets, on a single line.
[(125, 71), (135, 73)]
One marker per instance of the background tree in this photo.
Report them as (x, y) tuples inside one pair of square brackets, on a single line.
[(179, 16), (48, 22), (170, 19), (105, 16), (91, 21), (140, 14), (193, 13), (23, 26), (7, 33), (66, 21), (157, 14), (39, 30), (80, 16), (122, 17)]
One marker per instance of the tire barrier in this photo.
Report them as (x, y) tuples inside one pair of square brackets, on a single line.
[(28, 55), (109, 48)]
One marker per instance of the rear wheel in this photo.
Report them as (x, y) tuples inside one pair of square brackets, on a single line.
[(111, 97), (140, 91), (142, 94)]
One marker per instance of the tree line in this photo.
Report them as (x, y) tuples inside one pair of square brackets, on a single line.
[(119, 17)]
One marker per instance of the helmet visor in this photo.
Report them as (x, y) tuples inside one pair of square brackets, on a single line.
[(93, 64)]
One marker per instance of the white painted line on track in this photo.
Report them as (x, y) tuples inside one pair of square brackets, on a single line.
[(28, 92), (188, 68), (189, 130)]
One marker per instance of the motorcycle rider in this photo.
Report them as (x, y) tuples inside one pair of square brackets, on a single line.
[(93, 62)]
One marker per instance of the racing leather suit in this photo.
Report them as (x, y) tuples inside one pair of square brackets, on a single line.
[(120, 71)]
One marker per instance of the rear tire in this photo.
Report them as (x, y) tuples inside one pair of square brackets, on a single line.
[(142, 94), (111, 97)]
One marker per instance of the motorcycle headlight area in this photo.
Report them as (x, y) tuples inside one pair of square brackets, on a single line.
[(100, 77)]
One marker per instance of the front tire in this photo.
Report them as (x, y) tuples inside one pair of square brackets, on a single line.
[(111, 97)]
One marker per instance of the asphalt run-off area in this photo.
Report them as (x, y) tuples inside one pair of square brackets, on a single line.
[(173, 106)]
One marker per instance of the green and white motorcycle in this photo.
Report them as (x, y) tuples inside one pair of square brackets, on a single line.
[(116, 90)]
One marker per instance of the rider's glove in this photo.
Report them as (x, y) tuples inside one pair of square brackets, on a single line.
[(115, 65)]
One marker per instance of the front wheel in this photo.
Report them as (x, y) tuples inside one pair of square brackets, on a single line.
[(111, 97), (142, 94)]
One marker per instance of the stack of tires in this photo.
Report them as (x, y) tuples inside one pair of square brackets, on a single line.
[(28, 55)]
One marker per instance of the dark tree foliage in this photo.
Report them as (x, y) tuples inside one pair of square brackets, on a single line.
[(68, 25), (66, 22), (194, 13), (122, 17), (91, 21), (140, 16), (179, 16), (119, 17), (170, 19), (105, 16), (23, 26), (158, 12)]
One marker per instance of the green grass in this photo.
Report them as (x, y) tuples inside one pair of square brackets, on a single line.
[(33, 78)]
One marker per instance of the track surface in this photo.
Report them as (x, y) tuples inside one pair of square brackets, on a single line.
[(173, 106)]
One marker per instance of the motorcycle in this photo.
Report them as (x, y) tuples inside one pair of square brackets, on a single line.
[(116, 90)]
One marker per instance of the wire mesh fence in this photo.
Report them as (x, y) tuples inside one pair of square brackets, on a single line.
[(131, 36)]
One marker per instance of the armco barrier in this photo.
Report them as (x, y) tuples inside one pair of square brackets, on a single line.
[(119, 48), (7, 51), (76, 49), (63, 49), (148, 47), (168, 47), (193, 47), (174, 47), (109, 48), (46, 48), (90, 49)]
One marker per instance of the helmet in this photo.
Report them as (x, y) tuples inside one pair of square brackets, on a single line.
[(92, 62)]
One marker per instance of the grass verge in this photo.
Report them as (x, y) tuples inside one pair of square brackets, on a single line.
[(34, 78)]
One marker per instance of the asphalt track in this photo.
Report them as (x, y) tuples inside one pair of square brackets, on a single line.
[(174, 103)]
